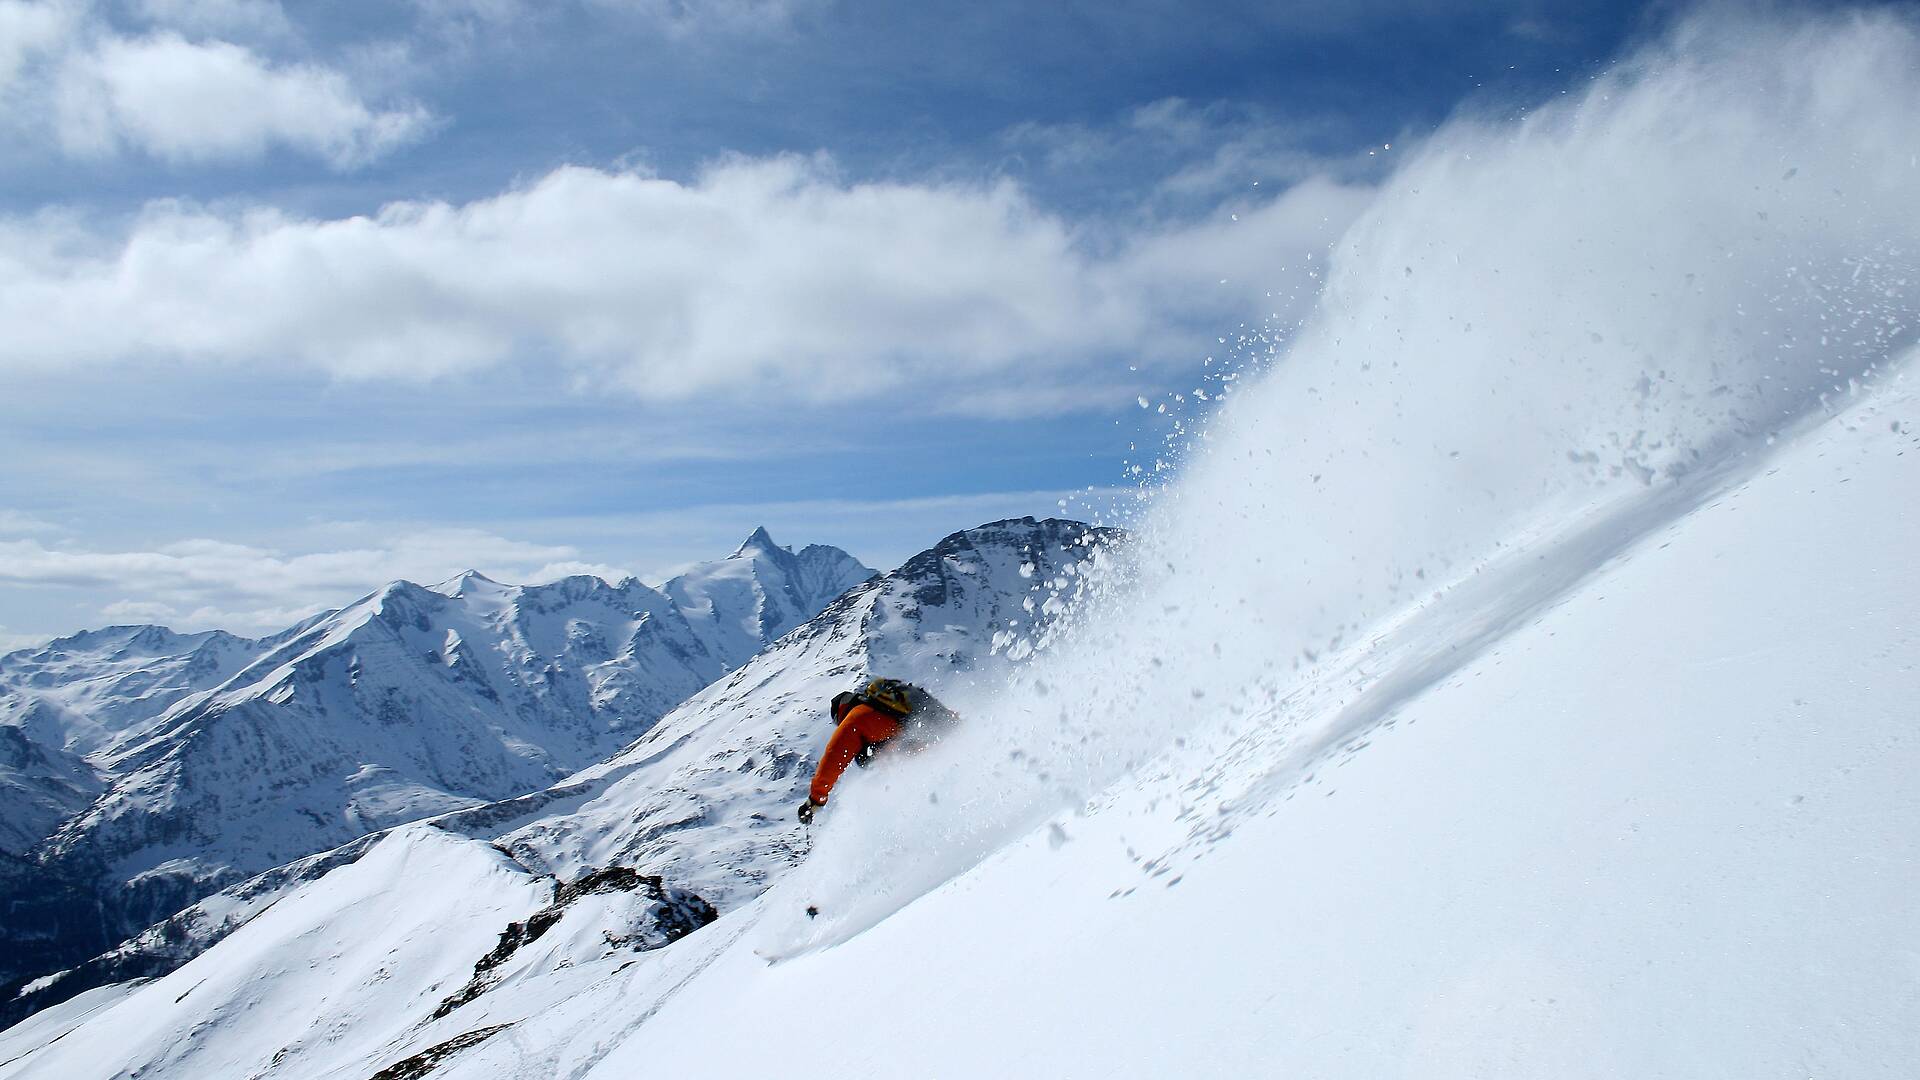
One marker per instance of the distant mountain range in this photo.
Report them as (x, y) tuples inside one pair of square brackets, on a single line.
[(141, 769)]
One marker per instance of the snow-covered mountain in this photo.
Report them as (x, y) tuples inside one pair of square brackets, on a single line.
[(86, 692), (40, 787), (65, 706), (165, 766)]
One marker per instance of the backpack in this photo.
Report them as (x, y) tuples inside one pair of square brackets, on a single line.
[(923, 717)]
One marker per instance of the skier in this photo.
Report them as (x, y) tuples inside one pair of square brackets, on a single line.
[(868, 719)]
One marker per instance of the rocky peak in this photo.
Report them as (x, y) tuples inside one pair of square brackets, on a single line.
[(759, 543)]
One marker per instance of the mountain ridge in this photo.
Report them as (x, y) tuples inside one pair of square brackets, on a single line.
[(220, 757)]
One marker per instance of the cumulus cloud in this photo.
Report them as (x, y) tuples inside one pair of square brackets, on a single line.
[(188, 101), (97, 92), (210, 583), (761, 278)]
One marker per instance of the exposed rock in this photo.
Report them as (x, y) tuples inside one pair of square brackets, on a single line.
[(429, 1059), (674, 914)]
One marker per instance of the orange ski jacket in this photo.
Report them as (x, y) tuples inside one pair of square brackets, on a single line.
[(862, 725)]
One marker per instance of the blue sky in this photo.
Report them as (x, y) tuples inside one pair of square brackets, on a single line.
[(297, 299)]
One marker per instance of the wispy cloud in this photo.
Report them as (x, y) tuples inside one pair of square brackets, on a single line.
[(234, 20), (210, 583), (1195, 153), (20, 523), (9, 641)]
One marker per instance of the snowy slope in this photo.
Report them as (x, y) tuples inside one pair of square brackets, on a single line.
[(65, 705), (224, 758), (466, 893), (40, 787), (85, 692)]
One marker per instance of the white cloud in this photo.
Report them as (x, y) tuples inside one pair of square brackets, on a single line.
[(683, 21), (66, 74), (200, 583), (139, 611), (186, 101), (576, 568), (770, 278)]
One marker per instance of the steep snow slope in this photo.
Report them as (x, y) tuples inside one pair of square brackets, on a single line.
[(469, 894), (408, 703), (40, 787)]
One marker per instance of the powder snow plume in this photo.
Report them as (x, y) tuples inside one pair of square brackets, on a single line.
[(1543, 329)]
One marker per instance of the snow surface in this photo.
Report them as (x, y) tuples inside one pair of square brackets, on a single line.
[(305, 977)]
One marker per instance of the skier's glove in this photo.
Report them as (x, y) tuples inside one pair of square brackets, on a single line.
[(806, 811)]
